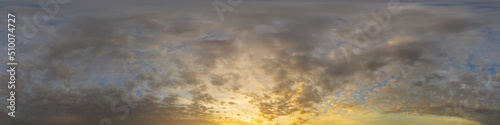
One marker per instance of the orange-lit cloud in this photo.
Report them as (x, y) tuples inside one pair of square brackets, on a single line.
[(266, 63)]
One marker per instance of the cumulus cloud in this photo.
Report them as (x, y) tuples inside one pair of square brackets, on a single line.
[(265, 61)]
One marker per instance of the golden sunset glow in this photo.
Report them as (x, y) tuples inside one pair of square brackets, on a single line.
[(251, 62)]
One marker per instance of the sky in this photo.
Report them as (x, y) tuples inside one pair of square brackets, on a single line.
[(243, 62)]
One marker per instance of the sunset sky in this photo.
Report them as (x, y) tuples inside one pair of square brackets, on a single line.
[(254, 62)]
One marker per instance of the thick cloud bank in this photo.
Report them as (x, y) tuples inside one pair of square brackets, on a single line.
[(264, 62)]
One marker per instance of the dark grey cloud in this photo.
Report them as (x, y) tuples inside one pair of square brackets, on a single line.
[(285, 59)]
